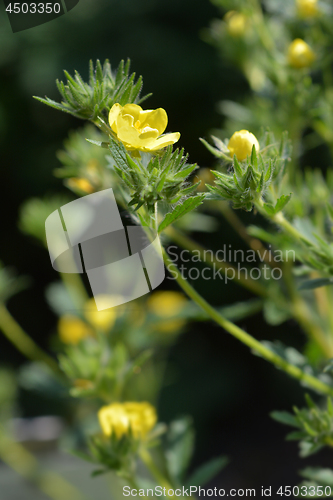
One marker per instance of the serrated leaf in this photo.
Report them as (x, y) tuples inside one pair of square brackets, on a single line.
[(180, 210), (203, 474), (282, 202)]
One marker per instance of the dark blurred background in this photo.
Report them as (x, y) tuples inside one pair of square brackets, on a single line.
[(228, 392)]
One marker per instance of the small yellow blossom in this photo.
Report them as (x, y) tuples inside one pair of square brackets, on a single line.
[(236, 23), (241, 144), (80, 184), (101, 320), (119, 418), (166, 305), (300, 54), (140, 129), (72, 329), (307, 8)]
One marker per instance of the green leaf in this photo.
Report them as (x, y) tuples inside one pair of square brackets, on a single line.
[(284, 417), (282, 202), (203, 474), (315, 283), (104, 145), (322, 476), (215, 152), (180, 447), (295, 436), (180, 210), (269, 209)]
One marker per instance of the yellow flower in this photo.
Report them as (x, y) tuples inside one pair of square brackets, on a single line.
[(80, 184), (72, 329), (119, 418), (101, 320), (307, 8), (300, 54), (236, 23), (166, 305), (241, 144), (139, 129)]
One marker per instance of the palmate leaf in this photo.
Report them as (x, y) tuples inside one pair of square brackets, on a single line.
[(180, 210), (280, 204)]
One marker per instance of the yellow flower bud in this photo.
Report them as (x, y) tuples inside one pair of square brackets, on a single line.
[(236, 23), (307, 8), (300, 54), (241, 144), (119, 418), (80, 184), (101, 320), (72, 329), (140, 129), (166, 305)]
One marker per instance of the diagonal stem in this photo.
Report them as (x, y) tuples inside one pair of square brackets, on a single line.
[(244, 337)]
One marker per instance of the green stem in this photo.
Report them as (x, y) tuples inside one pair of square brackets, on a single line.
[(21, 340), (154, 470), (244, 337), (281, 221), (206, 256)]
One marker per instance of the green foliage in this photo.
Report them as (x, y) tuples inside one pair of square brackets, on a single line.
[(97, 369), (180, 210), (114, 454), (180, 446), (314, 426), (150, 179), (92, 100), (250, 179), (316, 480)]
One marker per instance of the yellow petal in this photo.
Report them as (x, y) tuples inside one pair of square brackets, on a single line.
[(149, 133), (164, 141), (113, 115), (128, 135), (241, 143), (156, 118), (133, 110)]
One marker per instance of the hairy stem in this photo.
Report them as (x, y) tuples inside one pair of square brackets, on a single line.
[(245, 338), (154, 470)]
